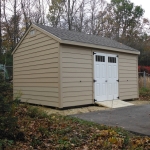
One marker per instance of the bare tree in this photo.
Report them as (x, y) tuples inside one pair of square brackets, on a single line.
[(25, 7), (80, 17), (15, 23), (96, 20), (71, 8)]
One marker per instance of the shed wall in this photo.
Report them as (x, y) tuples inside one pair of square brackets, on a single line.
[(77, 75), (36, 70)]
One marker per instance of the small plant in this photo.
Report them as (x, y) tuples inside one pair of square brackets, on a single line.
[(5, 142), (75, 140), (144, 91), (64, 144), (34, 112), (64, 131), (35, 142), (44, 131)]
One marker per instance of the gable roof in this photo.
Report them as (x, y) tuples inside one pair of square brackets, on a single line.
[(80, 39), (85, 38)]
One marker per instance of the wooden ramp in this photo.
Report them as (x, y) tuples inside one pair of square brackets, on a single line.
[(113, 103)]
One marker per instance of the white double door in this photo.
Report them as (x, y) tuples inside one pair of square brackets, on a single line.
[(105, 76)]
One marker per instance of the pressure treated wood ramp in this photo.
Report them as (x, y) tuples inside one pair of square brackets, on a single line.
[(113, 103)]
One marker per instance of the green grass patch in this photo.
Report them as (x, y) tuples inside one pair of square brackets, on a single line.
[(144, 91)]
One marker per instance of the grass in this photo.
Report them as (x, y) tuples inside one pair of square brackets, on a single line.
[(144, 92), (56, 132)]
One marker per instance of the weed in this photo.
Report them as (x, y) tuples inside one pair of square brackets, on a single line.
[(63, 131), (44, 131), (144, 91), (34, 112), (64, 144), (75, 140), (35, 142), (4, 143)]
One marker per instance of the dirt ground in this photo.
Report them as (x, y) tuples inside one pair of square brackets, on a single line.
[(73, 111), (138, 102)]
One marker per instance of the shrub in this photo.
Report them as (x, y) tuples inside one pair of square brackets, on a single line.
[(144, 68), (8, 123)]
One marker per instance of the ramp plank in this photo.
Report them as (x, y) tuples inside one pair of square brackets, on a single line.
[(113, 103)]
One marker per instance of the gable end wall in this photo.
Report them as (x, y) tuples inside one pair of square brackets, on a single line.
[(35, 73)]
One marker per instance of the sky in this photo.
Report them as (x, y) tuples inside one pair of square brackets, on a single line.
[(145, 5)]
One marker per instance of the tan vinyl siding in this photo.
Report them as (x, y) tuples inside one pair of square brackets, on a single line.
[(128, 76), (77, 103), (36, 70), (77, 86), (38, 49), (77, 65), (40, 71)]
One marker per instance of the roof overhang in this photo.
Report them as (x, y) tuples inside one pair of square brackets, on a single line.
[(47, 33), (98, 47), (85, 44)]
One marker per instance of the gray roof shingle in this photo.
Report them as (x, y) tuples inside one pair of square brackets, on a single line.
[(84, 38)]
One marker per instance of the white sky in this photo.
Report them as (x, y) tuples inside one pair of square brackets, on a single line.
[(145, 5)]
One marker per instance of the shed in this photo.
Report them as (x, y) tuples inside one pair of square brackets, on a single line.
[(62, 68)]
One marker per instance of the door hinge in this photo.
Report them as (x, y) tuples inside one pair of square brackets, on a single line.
[(94, 53), (118, 97), (117, 80), (94, 80), (95, 100)]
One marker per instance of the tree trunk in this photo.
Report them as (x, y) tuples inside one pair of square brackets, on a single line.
[(69, 21), (0, 30), (15, 24)]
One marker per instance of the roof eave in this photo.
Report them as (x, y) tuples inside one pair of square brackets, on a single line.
[(98, 47), (47, 33)]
